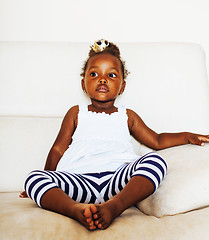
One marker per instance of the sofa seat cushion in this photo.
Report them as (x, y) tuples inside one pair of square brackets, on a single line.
[(22, 219)]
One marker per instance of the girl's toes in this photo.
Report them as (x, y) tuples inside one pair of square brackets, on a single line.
[(99, 226), (92, 227), (97, 222), (93, 208), (103, 225), (87, 213), (89, 220), (97, 215), (91, 223)]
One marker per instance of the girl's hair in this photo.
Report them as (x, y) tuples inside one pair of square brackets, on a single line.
[(112, 49)]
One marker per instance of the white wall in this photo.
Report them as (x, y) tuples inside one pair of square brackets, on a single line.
[(116, 20)]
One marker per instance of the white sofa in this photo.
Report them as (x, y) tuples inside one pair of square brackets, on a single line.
[(168, 87)]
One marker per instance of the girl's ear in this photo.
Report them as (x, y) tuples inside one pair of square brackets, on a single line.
[(83, 85), (122, 87)]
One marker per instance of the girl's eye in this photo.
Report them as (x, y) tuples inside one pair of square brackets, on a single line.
[(93, 74), (112, 75)]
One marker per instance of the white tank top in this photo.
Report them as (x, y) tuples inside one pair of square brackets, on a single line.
[(101, 142)]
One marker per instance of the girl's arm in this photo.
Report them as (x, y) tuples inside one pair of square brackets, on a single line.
[(63, 139), (156, 141)]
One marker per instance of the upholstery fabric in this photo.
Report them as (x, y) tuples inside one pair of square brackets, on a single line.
[(186, 185), (21, 219)]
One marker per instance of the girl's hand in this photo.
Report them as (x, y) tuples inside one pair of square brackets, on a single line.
[(23, 195), (197, 139)]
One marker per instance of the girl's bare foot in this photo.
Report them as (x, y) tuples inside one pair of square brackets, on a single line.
[(23, 195), (106, 213), (57, 201), (84, 214)]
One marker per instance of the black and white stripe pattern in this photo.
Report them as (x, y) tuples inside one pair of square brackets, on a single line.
[(95, 187)]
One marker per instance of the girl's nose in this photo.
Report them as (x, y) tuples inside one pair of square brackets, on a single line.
[(102, 81)]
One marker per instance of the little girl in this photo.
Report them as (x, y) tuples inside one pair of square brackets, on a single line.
[(92, 173)]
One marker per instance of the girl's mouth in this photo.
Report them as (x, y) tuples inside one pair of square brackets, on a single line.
[(102, 88)]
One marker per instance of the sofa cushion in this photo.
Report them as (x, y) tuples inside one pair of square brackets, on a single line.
[(23, 219), (186, 185)]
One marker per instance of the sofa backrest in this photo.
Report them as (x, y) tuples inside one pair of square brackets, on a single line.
[(40, 81)]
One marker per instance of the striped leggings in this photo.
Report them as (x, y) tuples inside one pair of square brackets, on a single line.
[(95, 187)]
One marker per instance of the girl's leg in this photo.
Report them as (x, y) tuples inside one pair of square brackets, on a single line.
[(51, 190), (131, 184)]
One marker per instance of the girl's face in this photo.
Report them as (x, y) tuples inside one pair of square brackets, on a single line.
[(103, 79)]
